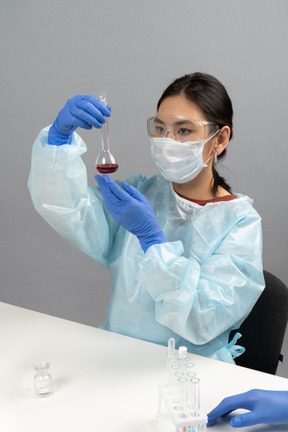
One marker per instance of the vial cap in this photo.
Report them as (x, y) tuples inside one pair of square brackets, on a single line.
[(41, 365), (182, 351)]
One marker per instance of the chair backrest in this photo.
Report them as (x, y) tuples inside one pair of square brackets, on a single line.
[(263, 330)]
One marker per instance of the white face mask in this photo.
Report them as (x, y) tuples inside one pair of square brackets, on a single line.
[(179, 162)]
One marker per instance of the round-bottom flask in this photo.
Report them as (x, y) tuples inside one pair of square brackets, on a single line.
[(42, 380)]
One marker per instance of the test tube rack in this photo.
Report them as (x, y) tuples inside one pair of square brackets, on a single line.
[(179, 397), (172, 419)]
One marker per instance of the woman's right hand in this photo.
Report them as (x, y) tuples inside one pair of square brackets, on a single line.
[(79, 111)]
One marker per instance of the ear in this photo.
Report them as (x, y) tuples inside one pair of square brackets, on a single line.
[(222, 140)]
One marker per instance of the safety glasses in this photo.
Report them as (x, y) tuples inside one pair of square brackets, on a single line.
[(179, 128)]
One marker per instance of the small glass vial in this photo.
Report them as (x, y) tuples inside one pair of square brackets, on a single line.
[(42, 380)]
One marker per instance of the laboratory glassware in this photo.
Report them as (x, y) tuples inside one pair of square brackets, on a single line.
[(179, 397), (106, 162), (42, 380)]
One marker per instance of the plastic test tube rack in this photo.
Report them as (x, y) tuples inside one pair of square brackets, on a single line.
[(179, 399)]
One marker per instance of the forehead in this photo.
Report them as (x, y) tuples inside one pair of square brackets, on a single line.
[(175, 121), (180, 106)]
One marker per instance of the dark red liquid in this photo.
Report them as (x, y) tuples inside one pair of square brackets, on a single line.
[(106, 169)]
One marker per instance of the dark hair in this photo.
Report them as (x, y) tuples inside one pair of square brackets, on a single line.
[(212, 98)]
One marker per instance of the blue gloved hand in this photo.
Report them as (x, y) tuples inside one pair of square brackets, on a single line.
[(131, 210), (265, 406), (79, 111)]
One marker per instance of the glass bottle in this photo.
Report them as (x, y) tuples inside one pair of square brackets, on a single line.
[(42, 380)]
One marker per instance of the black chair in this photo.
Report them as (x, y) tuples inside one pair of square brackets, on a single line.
[(263, 330)]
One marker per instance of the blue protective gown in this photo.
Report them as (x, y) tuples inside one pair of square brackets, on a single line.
[(195, 288)]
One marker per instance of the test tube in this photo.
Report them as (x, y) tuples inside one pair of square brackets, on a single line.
[(176, 373), (189, 366), (182, 396), (194, 396), (190, 375), (170, 360), (171, 348)]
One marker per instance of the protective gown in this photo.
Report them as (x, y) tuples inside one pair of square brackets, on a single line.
[(195, 288)]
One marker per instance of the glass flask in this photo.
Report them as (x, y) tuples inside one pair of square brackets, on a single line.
[(42, 380), (106, 162)]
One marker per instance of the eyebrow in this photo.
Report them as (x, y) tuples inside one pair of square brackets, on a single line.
[(183, 122), (178, 123), (156, 119)]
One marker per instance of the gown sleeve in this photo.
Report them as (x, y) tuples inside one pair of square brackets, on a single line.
[(58, 188), (201, 300)]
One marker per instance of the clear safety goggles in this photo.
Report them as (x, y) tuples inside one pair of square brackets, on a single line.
[(179, 128)]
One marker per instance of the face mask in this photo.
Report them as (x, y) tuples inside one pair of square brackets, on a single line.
[(179, 162)]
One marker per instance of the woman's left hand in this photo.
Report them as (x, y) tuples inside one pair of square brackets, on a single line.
[(132, 210), (265, 406)]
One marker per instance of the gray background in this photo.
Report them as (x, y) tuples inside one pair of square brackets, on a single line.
[(53, 50)]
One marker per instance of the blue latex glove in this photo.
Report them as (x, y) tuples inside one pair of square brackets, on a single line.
[(265, 406), (79, 111), (131, 210)]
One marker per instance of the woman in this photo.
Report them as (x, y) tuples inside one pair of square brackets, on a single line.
[(184, 253)]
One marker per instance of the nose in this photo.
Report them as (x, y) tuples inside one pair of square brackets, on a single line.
[(170, 132)]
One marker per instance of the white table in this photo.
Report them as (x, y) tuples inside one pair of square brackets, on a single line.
[(103, 381)]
